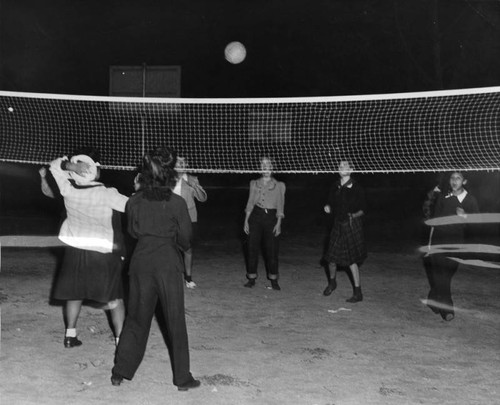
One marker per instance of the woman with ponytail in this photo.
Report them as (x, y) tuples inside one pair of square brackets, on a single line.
[(160, 222)]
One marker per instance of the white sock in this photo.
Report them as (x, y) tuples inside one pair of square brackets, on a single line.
[(117, 340), (71, 332)]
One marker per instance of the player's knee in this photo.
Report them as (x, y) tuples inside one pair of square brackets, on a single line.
[(115, 303)]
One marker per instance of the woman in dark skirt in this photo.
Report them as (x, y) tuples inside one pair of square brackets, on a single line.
[(92, 264), (346, 246), (159, 219)]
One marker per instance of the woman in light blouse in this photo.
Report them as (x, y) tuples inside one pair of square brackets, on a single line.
[(264, 213)]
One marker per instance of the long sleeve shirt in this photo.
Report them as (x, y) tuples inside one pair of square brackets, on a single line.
[(270, 195), (447, 206), (89, 211), (167, 219), (189, 188), (346, 199)]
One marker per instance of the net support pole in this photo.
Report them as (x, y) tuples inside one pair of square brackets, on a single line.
[(143, 115)]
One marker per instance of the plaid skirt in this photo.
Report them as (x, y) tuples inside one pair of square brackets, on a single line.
[(347, 243), (89, 275)]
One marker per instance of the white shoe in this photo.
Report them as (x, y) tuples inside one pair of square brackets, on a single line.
[(190, 284)]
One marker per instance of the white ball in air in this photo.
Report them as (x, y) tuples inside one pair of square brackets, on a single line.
[(235, 52)]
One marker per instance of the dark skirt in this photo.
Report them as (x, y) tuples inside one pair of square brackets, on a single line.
[(89, 275), (347, 243)]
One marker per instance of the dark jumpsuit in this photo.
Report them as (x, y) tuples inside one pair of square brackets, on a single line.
[(439, 267), (156, 274)]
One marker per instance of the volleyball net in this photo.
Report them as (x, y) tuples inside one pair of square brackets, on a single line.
[(394, 133)]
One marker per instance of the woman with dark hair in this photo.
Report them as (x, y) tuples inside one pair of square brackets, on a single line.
[(445, 242), (347, 243), (160, 221)]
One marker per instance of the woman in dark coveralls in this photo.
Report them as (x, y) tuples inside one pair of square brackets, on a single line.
[(160, 221), (440, 265), (347, 244)]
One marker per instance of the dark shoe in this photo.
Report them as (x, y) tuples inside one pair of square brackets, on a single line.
[(447, 316), (189, 385), (433, 302), (433, 308), (332, 285), (116, 379), (357, 296), (250, 283), (275, 285), (71, 342)]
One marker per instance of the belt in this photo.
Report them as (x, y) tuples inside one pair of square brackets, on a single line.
[(267, 210)]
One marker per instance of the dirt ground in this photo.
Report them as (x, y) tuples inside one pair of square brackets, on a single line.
[(259, 346)]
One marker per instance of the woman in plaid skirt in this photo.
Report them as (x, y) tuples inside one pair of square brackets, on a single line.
[(346, 247)]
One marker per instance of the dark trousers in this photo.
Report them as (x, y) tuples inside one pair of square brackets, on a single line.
[(440, 270), (146, 289), (261, 224)]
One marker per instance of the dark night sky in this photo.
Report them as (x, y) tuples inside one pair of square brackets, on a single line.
[(295, 47)]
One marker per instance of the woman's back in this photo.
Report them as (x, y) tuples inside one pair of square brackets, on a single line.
[(159, 218)]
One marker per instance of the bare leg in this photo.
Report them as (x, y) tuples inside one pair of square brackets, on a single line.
[(117, 316), (188, 268), (71, 313), (355, 274), (331, 269), (188, 262), (357, 295)]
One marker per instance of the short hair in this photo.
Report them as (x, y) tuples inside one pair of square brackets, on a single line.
[(460, 172), (267, 157), (348, 160)]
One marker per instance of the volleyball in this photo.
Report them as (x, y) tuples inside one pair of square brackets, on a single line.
[(235, 52)]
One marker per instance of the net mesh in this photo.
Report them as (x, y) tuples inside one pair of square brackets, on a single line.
[(410, 132)]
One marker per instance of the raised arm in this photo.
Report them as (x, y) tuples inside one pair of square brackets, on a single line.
[(46, 189), (60, 169), (198, 191)]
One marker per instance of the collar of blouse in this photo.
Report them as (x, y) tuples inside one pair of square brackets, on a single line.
[(270, 185), (348, 184)]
